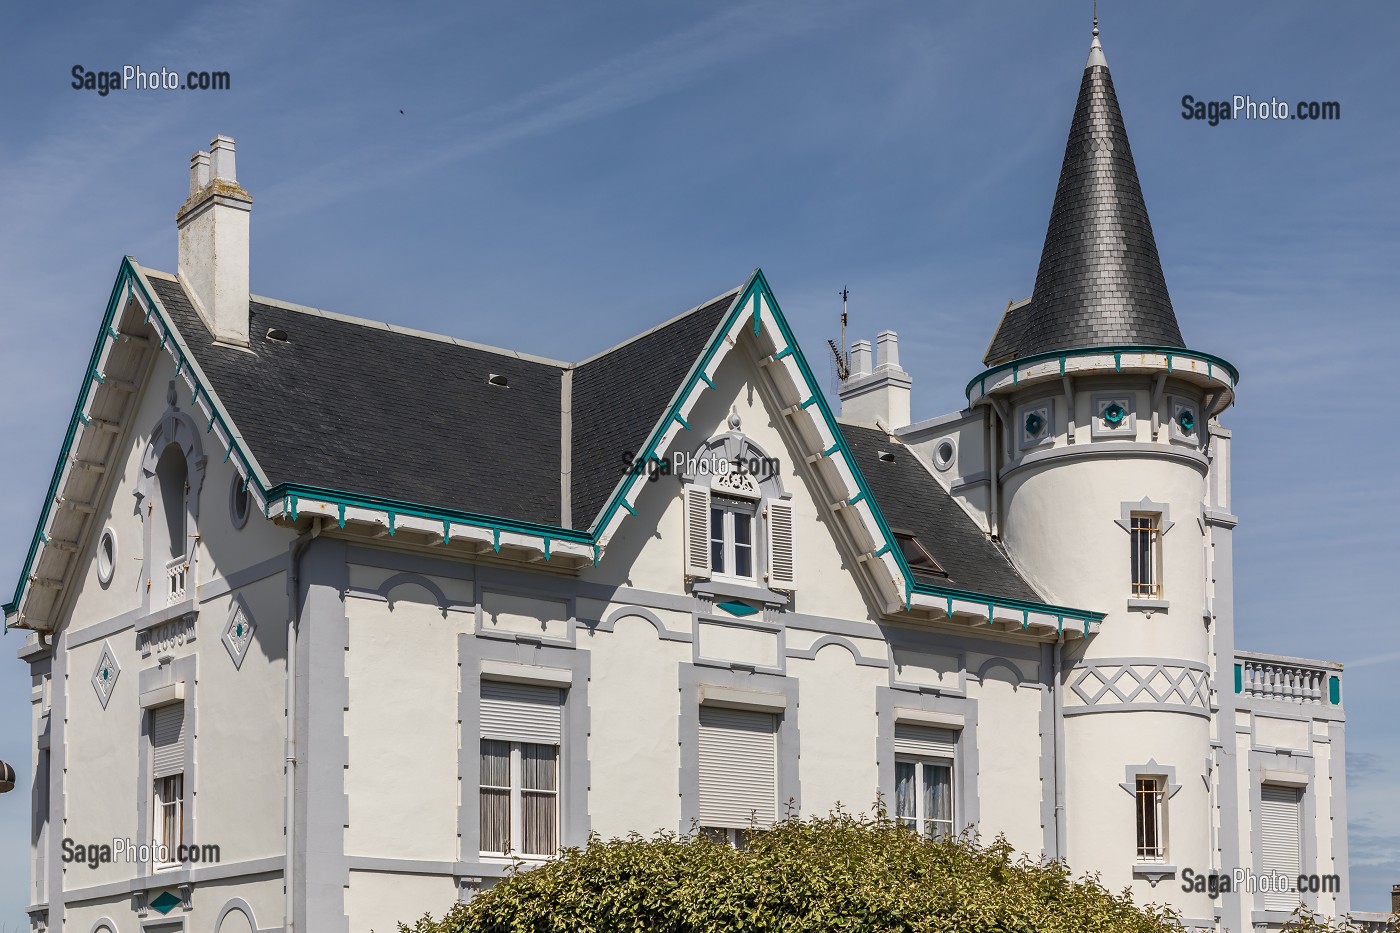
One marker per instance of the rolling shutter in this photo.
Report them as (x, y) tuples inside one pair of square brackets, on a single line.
[(782, 563), (1280, 820), (520, 713), (697, 531), (168, 740), (924, 741), (738, 767)]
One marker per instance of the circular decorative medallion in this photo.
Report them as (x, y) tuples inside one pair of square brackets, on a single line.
[(1034, 423), (1114, 414), (1187, 420)]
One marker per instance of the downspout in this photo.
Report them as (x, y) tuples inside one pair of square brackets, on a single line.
[(1059, 704), (1000, 424), (993, 429), (298, 548)]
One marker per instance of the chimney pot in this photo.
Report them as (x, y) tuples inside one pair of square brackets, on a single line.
[(886, 350), (221, 152), (860, 358), (199, 172)]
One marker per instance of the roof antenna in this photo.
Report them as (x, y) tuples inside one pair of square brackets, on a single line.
[(841, 357)]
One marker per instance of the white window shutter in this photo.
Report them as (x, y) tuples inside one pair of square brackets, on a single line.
[(167, 740), (738, 767), (1280, 820), (521, 713), (697, 531), (782, 561)]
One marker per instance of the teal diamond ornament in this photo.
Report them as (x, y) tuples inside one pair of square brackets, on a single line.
[(165, 903), (105, 674), (238, 632)]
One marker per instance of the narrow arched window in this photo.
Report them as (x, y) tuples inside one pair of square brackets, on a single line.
[(172, 475)]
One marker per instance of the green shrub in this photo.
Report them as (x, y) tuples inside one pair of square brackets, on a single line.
[(840, 873)]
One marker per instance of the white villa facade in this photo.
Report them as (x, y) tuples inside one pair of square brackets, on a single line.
[(370, 610)]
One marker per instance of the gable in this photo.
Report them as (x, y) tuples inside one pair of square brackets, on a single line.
[(136, 301)]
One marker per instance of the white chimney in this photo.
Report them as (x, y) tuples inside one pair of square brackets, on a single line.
[(213, 227), (881, 393)]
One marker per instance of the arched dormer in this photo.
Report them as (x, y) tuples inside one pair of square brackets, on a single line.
[(167, 495), (738, 516)]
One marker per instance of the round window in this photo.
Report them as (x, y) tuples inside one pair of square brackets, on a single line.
[(238, 502), (944, 453), (106, 556)]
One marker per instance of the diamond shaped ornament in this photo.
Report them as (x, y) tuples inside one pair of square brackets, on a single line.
[(165, 903), (238, 632), (104, 676)]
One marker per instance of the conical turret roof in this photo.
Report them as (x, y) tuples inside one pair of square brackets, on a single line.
[(1100, 280)]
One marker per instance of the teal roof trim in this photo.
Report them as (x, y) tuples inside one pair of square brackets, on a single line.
[(1117, 351)]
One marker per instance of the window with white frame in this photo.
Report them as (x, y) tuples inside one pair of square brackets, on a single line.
[(168, 779), (1150, 806), (1146, 536), (732, 539), (923, 777), (520, 779)]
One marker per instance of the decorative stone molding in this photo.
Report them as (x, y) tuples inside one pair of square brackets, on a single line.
[(1037, 423), (1114, 415), (238, 631), (1114, 684), (1126, 510), (105, 674), (166, 636)]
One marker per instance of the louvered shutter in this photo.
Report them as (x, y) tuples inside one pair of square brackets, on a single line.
[(782, 561), (697, 531), (738, 767), (520, 713), (924, 741), (1280, 820), (168, 740)]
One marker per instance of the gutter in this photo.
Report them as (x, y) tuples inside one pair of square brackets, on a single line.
[(297, 550)]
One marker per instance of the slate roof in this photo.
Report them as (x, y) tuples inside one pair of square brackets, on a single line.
[(1100, 279), (619, 396), (364, 409), (912, 500), (359, 407)]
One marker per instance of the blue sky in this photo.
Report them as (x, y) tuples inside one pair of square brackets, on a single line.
[(566, 174)]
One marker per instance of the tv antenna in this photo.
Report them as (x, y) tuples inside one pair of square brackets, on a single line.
[(840, 356)]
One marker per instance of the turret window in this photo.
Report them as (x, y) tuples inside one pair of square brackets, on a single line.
[(1146, 537), (1150, 800)]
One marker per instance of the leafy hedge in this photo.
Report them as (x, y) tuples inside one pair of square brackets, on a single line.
[(836, 874)]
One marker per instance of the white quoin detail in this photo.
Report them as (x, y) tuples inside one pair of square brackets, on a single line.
[(697, 531), (213, 226)]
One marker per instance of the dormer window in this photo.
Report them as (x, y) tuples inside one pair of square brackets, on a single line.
[(732, 538), (739, 521), (915, 554)]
